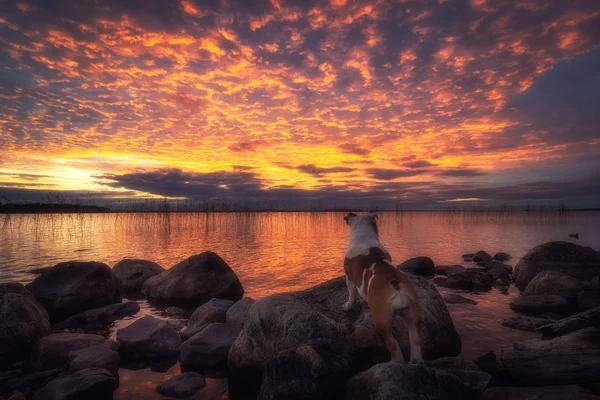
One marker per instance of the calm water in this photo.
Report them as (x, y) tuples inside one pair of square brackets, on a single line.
[(275, 252)]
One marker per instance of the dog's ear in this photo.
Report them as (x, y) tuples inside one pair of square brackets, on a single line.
[(348, 217), (372, 215)]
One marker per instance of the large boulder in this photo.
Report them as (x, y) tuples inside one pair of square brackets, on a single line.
[(195, 281), (418, 266), (208, 349), (98, 319), (580, 262), (103, 356), (280, 323), (182, 386), (89, 384), (72, 287), (55, 350), (148, 337), (551, 282), (22, 322), (469, 280), (213, 311), (238, 312), (544, 303), (134, 273)]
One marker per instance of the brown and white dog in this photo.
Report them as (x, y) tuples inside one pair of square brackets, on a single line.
[(371, 274)]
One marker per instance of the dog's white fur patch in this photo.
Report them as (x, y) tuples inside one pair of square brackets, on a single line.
[(362, 237)]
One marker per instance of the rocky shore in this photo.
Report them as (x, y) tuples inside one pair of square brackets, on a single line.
[(54, 332)]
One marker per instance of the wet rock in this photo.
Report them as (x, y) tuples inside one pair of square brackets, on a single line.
[(418, 266), (482, 256), (579, 262), (448, 270), (470, 280), (208, 349), (54, 351), (213, 311), (22, 322), (587, 299), (488, 363), (90, 383), (392, 381), (182, 386), (502, 257), (103, 356), (73, 287), (572, 358), (238, 312), (175, 312), (134, 273), (451, 298), (98, 319), (551, 282), (148, 337), (287, 321), (579, 321), (529, 324), (540, 304), (195, 281), (566, 392)]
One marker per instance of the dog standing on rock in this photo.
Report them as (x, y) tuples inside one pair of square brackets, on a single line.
[(371, 274)]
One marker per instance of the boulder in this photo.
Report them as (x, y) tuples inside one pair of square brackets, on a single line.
[(572, 358), (134, 273), (208, 349), (103, 356), (498, 272), (195, 281), (551, 282), (467, 371), (287, 321), (148, 337), (529, 324), (182, 386), (418, 266), (54, 351), (238, 312), (452, 298), (391, 381), (73, 287), (502, 257), (579, 321), (98, 319), (469, 280), (587, 299), (540, 304), (89, 383), (567, 392), (482, 256), (579, 262), (22, 322), (213, 311), (448, 270)]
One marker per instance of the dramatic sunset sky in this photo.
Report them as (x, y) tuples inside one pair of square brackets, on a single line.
[(302, 102)]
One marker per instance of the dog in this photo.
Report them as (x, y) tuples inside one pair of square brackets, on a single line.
[(371, 274)]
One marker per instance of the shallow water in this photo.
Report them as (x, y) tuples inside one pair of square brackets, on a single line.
[(276, 251)]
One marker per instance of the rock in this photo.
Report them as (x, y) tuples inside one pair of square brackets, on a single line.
[(587, 299), (175, 312), (529, 324), (17, 396), (20, 380), (596, 283), (451, 298), (177, 324), (488, 363), (468, 255), (579, 262), (551, 282), (502, 257), (540, 304), (54, 351), (418, 266), (98, 319), (498, 272), (495, 264), (103, 356), (287, 321), (208, 349), (22, 322), (572, 358), (73, 287), (182, 386), (213, 311), (482, 256), (448, 270), (566, 325), (470, 280), (238, 312), (501, 282), (195, 281), (90, 383), (134, 273), (148, 337), (391, 381), (567, 392), (466, 370)]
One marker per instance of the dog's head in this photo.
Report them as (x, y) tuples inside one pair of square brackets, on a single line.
[(355, 220)]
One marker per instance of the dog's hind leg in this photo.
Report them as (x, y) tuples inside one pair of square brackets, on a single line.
[(352, 292), (383, 314), (412, 317)]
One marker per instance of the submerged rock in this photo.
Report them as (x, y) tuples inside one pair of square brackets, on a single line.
[(213, 311), (418, 266), (148, 337), (98, 319), (580, 262), (54, 351), (90, 383), (551, 282), (22, 322), (182, 386), (195, 281), (208, 349), (134, 273), (72, 287), (545, 303)]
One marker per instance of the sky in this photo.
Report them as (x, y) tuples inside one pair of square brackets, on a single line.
[(302, 103)]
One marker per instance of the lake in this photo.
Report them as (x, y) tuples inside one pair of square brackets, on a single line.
[(273, 252)]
